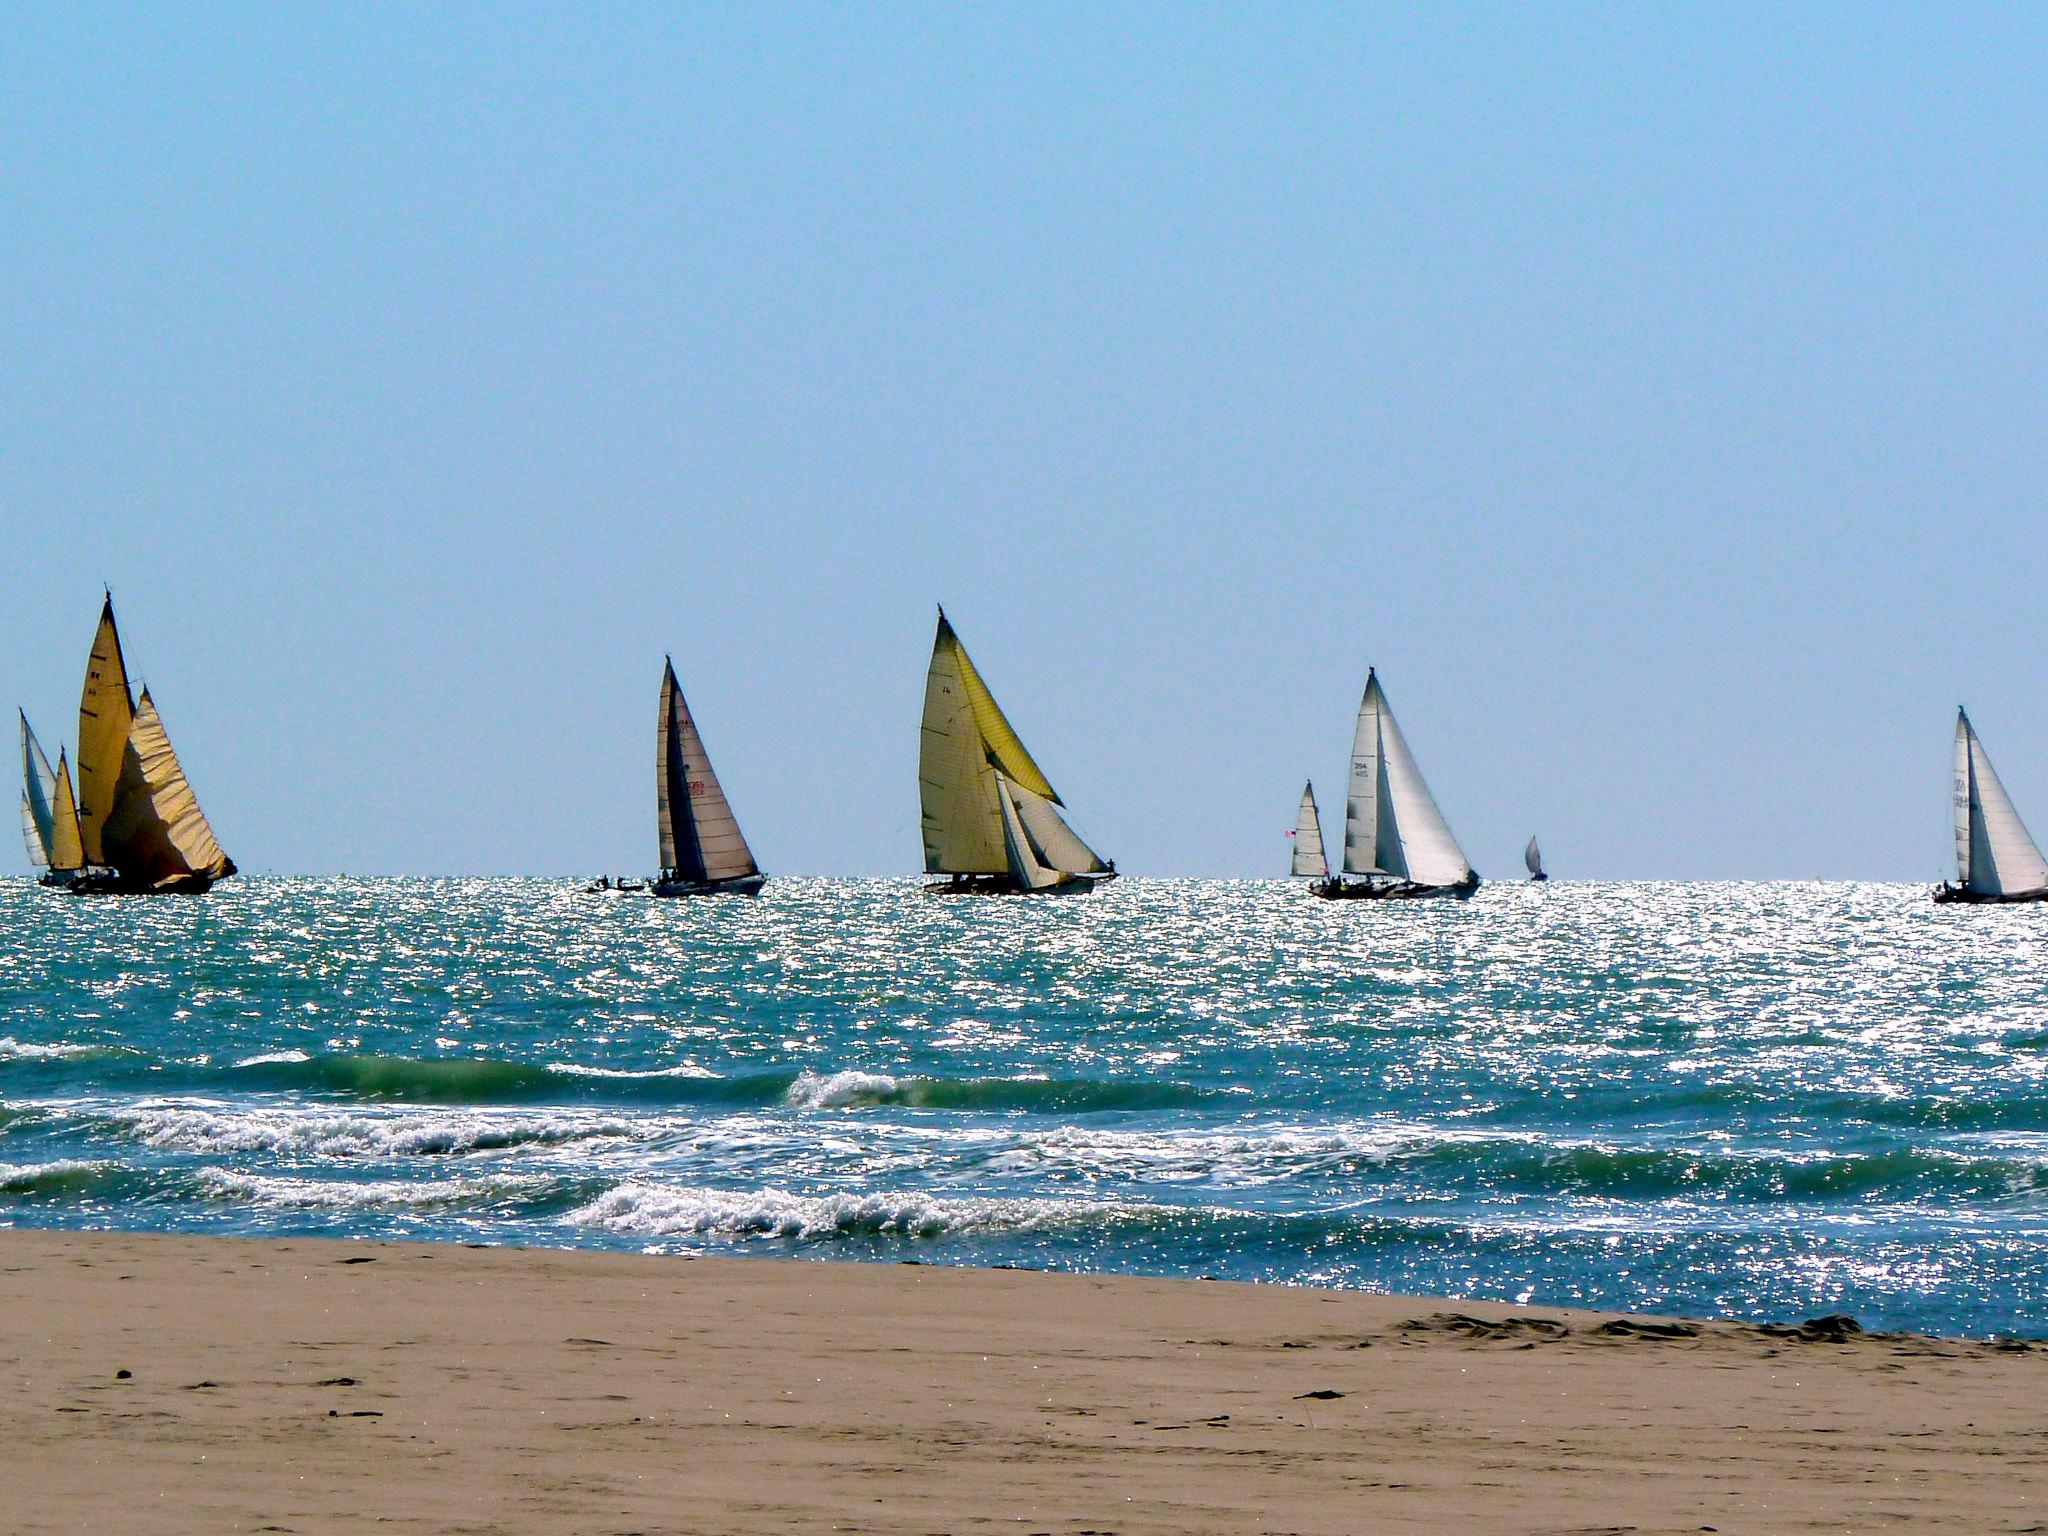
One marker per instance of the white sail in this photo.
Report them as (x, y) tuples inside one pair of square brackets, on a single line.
[(1391, 822), (1309, 858), (38, 798), (700, 837), (1532, 858), (1057, 843), (1025, 859), (1994, 854)]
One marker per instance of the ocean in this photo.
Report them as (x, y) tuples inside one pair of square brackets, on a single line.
[(1763, 1101)]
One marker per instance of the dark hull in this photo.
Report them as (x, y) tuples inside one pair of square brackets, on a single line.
[(107, 882), (744, 885), (1946, 894), (1337, 888), (1010, 885), (1538, 879)]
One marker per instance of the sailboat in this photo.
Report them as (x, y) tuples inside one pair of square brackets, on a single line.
[(1996, 861), (1309, 858), (703, 852), (1396, 842), (137, 824), (1532, 859), (49, 812), (991, 821)]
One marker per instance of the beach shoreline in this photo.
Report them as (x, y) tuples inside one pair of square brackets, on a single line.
[(197, 1383)]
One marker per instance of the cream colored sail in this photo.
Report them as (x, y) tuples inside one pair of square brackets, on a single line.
[(1056, 844), (38, 792), (106, 710), (962, 822), (1309, 858), (67, 852), (700, 836), (1995, 855), (156, 832), (1392, 825), (1026, 860)]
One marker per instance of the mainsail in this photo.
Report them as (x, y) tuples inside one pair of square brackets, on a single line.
[(987, 808), (1994, 854), (1392, 825), (1309, 858), (137, 814), (105, 713), (700, 837), (1532, 858), (38, 797)]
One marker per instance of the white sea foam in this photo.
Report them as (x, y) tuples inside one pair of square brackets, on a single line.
[(837, 1090), (18, 1177), (278, 1190), (216, 1128), (270, 1058), (31, 1050), (644, 1209), (688, 1069)]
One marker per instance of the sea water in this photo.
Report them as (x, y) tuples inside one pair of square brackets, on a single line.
[(1761, 1100)]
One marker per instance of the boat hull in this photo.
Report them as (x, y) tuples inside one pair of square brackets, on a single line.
[(1337, 888), (1010, 885), (744, 885), (1538, 879), (108, 882), (1944, 895)]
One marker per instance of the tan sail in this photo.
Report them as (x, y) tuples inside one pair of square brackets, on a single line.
[(956, 781), (67, 851), (156, 832), (700, 836), (106, 710)]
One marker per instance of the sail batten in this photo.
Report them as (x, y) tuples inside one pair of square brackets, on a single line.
[(700, 837), (1309, 858), (1995, 854), (1392, 826)]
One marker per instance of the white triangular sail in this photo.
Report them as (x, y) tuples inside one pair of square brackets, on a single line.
[(700, 836), (1392, 825), (1057, 843), (38, 798), (1532, 858), (1994, 854), (1027, 861), (1309, 858)]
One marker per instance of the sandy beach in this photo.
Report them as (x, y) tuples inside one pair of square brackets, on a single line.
[(167, 1384)]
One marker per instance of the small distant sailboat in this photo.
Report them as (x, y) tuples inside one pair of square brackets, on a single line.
[(134, 826), (1996, 860), (1309, 858), (703, 852), (1532, 857), (1395, 839), (991, 821), (49, 812)]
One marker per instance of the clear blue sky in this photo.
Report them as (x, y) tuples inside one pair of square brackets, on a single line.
[(1655, 394)]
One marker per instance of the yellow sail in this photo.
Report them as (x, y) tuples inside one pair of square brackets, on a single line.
[(66, 849), (998, 739), (156, 832), (105, 713), (962, 822)]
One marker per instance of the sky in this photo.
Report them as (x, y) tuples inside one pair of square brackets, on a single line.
[(1654, 394)]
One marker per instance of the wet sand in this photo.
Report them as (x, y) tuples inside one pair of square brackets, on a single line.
[(311, 1386)]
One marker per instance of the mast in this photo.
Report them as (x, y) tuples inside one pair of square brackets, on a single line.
[(700, 836), (1392, 826), (1995, 855), (1309, 858)]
